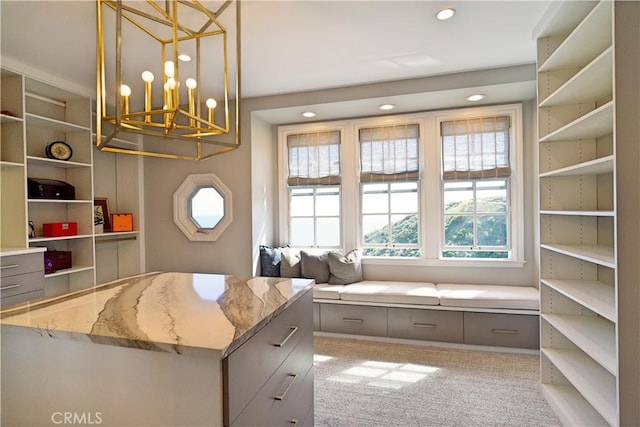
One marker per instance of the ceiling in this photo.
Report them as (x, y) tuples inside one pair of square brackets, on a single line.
[(296, 46)]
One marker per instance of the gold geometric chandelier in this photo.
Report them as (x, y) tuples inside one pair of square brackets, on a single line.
[(163, 72)]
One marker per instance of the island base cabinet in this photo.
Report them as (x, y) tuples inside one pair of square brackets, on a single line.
[(266, 364), (46, 380), (287, 396)]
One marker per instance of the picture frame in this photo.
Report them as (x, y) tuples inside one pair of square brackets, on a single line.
[(103, 203)]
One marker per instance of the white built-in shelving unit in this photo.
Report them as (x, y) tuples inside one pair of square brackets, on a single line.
[(579, 239), (35, 114)]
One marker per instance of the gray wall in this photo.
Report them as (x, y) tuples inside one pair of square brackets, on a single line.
[(251, 174)]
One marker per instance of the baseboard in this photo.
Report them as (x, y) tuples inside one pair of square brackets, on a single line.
[(428, 343)]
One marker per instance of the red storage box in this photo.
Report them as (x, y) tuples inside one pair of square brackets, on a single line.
[(60, 229)]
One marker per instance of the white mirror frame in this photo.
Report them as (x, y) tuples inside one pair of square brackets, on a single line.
[(181, 216)]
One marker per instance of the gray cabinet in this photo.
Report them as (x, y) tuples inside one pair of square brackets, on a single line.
[(269, 379), (427, 325), (354, 319), (22, 277), (504, 330)]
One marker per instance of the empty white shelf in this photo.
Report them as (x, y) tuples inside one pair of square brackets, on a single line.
[(602, 255), (593, 335), (592, 125), (596, 296), (596, 385), (595, 81), (570, 406), (594, 33), (578, 213), (59, 125), (592, 167)]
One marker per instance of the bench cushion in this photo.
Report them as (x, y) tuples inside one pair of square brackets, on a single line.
[(326, 291), (489, 296), (391, 292)]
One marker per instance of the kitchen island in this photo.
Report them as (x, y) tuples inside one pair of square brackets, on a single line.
[(162, 349)]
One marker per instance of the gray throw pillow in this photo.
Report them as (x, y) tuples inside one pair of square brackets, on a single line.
[(290, 264), (345, 269), (314, 266)]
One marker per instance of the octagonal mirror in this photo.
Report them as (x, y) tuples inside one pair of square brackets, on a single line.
[(202, 207)]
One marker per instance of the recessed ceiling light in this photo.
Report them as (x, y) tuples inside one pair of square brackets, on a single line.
[(476, 97), (184, 57), (444, 14), (385, 107), (309, 114)]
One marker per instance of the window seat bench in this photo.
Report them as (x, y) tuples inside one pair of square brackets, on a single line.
[(488, 315)]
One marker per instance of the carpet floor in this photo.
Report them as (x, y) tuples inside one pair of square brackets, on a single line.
[(366, 383)]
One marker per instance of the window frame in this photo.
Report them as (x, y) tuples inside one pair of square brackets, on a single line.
[(431, 189)]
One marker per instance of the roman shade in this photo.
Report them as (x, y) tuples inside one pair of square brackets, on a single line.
[(389, 153), (475, 148), (314, 158)]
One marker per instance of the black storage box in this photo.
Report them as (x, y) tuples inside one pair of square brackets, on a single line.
[(56, 260), (40, 188)]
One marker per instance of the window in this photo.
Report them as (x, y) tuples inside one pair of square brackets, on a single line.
[(439, 188), (389, 173), (314, 189), (475, 178)]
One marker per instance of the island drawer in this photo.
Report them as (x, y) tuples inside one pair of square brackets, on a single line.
[(429, 325), (248, 368), (288, 395), (12, 265), (505, 330), (353, 319), (16, 299), (21, 283)]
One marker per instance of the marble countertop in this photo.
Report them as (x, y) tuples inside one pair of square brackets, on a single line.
[(185, 313)]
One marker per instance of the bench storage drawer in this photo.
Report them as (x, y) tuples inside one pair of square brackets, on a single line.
[(428, 325), (354, 319), (505, 330)]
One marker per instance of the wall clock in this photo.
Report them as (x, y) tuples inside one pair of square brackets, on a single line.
[(58, 150)]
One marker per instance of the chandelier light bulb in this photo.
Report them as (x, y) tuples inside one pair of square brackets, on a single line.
[(169, 69), (147, 76), (171, 83), (125, 90), (191, 83), (211, 103)]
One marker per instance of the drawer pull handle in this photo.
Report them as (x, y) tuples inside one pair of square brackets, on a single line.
[(294, 422), (346, 319), (293, 331), (6, 288), (424, 325), (505, 331), (6, 267), (286, 390)]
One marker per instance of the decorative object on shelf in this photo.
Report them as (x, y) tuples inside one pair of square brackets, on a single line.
[(103, 204), (59, 229), (56, 260), (31, 229), (42, 188), (122, 222), (172, 108), (98, 219), (58, 150)]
